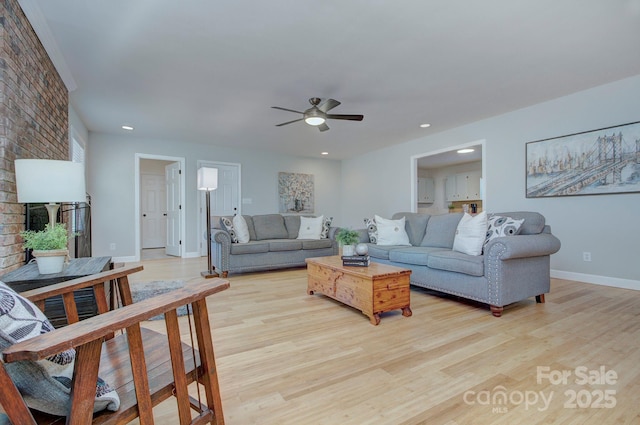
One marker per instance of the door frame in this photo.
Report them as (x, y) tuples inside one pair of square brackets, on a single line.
[(183, 222), (201, 198)]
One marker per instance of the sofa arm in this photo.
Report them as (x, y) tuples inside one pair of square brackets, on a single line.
[(522, 246), (220, 249)]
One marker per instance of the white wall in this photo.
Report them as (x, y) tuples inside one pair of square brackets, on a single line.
[(111, 185), (608, 226)]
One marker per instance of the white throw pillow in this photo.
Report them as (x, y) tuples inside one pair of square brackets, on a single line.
[(241, 228), (470, 234), (310, 227), (391, 232)]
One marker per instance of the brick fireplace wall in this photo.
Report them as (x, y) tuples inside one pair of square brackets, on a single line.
[(34, 109)]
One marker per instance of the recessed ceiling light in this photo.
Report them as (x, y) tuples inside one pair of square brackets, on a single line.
[(324, 153), (465, 150), (425, 125), (127, 127)]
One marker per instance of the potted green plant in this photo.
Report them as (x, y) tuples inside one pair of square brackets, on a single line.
[(49, 247), (348, 238)]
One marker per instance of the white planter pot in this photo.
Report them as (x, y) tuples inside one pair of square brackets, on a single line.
[(348, 250), (50, 262)]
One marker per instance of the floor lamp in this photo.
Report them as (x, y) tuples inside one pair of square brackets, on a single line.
[(208, 181)]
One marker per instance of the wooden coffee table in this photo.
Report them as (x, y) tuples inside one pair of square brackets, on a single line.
[(372, 290)]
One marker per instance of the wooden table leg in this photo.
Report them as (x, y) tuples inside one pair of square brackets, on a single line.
[(406, 311)]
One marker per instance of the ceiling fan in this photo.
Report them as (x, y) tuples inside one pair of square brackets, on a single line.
[(317, 115)]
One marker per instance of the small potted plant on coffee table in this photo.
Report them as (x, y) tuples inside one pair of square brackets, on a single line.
[(348, 238), (49, 247)]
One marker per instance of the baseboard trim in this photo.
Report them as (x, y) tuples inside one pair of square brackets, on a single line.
[(193, 254), (130, 259), (597, 280)]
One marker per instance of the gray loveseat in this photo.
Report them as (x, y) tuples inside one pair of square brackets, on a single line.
[(511, 268), (273, 245)]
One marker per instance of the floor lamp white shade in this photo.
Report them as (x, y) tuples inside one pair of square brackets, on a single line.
[(50, 181), (207, 178), (208, 181)]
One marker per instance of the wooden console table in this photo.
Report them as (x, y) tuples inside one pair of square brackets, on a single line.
[(27, 277)]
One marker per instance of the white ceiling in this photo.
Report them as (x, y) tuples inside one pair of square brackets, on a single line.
[(208, 71)]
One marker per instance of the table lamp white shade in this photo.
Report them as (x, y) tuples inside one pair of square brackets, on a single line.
[(50, 181), (207, 178)]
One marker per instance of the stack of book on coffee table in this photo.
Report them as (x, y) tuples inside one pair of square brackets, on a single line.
[(355, 260)]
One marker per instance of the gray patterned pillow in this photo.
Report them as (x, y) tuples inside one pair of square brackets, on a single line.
[(326, 225), (45, 384), (372, 229), (502, 226), (227, 223)]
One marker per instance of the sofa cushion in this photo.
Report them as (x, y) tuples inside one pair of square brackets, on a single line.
[(310, 227), (292, 223), (498, 226), (252, 247), (471, 234), (454, 261), (285, 245), (533, 222), (415, 255), (251, 227), (391, 232), (380, 251), (415, 225), (326, 226), (372, 229), (317, 243), (441, 230), (44, 384), (269, 226), (241, 229), (227, 224)]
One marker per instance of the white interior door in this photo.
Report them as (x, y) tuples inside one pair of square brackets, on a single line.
[(153, 202), (173, 175), (225, 200)]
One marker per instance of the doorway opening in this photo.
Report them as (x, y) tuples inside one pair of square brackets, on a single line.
[(160, 215), (445, 180)]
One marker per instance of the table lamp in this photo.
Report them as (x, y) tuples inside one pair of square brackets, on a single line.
[(50, 181), (208, 181)]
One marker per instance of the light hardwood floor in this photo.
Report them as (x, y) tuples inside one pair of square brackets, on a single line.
[(285, 357)]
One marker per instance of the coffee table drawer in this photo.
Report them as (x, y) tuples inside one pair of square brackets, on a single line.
[(391, 293)]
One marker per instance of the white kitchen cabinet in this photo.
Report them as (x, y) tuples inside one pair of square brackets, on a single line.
[(463, 187), (426, 190)]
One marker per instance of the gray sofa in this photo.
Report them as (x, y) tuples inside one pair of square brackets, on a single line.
[(273, 245), (511, 268)]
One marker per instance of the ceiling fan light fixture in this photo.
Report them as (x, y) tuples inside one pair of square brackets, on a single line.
[(314, 120), (314, 117)]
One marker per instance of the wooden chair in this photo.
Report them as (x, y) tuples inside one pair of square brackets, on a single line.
[(144, 367)]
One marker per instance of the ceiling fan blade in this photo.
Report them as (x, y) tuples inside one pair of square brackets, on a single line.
[(346, 117), (328, 104), (323, 127), (285, 109), (289, 122)]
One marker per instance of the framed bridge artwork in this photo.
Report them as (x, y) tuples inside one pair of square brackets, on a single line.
[(597, 162)]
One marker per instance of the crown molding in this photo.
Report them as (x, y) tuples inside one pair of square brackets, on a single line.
[(39, 24)]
